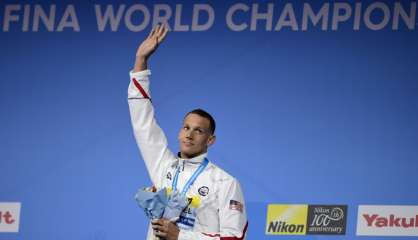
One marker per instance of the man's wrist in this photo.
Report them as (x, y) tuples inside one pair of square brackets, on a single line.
[(140, 63)]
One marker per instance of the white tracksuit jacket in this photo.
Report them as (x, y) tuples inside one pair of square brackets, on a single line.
[(221, 213)]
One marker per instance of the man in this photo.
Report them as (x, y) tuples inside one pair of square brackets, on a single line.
[(217, 205)]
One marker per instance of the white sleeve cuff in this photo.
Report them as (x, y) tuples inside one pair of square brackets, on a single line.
[(140, 75)]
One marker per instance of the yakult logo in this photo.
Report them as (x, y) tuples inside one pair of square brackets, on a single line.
[(9, 217), (387, 220), (391, 221)]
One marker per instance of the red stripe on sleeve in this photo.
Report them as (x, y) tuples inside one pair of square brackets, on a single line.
[(137, 85), (237, 238), (211, 235)]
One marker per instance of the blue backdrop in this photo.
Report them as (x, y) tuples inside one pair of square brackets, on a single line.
[(314, 114)]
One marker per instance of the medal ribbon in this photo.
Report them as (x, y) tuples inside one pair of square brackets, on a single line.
[(191, 179)]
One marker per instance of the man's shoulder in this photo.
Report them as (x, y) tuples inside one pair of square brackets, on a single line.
[(218, 174)]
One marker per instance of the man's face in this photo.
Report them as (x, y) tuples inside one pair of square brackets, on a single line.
[(195, 136)]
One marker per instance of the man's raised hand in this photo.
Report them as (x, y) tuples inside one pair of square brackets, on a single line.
[(148, 46)]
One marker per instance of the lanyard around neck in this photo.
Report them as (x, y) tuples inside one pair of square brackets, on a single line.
[(191, 179)]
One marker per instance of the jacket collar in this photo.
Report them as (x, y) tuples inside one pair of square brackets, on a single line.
[(196, 160)]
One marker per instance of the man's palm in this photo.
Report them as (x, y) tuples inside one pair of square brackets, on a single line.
[(150, 44)]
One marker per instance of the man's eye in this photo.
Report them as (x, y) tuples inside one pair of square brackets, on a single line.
[(186, 128)]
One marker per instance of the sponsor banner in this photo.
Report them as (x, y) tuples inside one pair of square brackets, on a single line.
[(327, 219), (306, 219), (9, 216), (381, 220), (286, 219)]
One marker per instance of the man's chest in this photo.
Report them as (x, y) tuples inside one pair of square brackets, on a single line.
[(202, 195)]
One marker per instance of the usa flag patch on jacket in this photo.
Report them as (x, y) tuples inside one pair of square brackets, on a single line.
[(235, 205)]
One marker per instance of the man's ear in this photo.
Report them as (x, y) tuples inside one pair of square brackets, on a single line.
[(211, 140)]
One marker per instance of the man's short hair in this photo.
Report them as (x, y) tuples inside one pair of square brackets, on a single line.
[(204, 114)]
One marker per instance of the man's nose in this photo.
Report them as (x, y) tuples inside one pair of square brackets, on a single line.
[(189, 134)]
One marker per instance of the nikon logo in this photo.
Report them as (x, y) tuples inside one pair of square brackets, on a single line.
[(286, 219), (284, 227)]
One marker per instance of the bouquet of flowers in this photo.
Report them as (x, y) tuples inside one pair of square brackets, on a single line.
[(163, 203)]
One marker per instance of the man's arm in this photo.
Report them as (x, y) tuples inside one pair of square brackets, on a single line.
[(149, 136)]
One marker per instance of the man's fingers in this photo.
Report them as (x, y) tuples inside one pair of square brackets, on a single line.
[(160, 224), (160, 29), (163, 34), (158, 227), (152, 32), (160, 230), (160, 234), (164, 228), (157, 222)]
